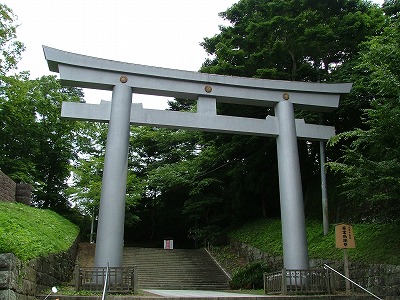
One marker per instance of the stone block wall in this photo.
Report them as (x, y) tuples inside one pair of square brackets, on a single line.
[(7, 188), (380, 279), (23, 281), (11, 191)]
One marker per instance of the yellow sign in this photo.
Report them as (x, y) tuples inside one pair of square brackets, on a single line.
[(344, 236)]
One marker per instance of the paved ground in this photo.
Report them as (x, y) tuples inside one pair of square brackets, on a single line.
[(197, 294)]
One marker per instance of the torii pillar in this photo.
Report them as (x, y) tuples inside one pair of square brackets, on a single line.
[(110, 231), (290, 189), (124, 79)]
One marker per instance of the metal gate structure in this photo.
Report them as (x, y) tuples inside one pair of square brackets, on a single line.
[(124, 79)]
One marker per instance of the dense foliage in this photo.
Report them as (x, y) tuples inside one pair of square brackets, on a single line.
[(292, 40), (195, 186), (30, 232), (371, 162), (10, 48), (36, 145)]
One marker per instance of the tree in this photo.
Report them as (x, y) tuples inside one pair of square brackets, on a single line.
[(10, 48), (391, 8), (292, 40), (87, 169), (370, 164), (154, 157), (36, 144), (18, 129), (227, 179)]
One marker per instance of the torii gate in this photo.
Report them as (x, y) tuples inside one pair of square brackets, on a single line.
[(123, 79)]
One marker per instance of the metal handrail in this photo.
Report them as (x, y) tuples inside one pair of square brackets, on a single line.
[(364, 289), (105, 288)]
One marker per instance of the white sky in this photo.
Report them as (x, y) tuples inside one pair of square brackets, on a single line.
[(150, 32)]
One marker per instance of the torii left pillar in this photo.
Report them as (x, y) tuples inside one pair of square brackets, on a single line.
[(110, 232), (290, 190)]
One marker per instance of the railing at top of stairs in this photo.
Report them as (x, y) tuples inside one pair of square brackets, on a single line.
[(348, 279)]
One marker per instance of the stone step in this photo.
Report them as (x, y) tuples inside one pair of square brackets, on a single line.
[(175, 269)]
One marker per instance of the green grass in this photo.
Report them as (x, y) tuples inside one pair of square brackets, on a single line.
[(375, 243), (30, 232)]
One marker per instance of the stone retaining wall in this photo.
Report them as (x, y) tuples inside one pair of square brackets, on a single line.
[(23, 281), (380, 279), (23, 193), (11, 191), (7, 188)]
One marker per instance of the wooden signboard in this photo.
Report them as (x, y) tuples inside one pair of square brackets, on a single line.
[(345, 240), (344, 236)]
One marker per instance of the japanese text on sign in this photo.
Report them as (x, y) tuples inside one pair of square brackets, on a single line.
[(344, 236)]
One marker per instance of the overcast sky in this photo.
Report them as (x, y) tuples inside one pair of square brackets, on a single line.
[(150, 32)]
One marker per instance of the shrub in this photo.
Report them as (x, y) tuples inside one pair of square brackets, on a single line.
[(250, 276)]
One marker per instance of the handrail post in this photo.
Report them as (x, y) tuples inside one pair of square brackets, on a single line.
[(77, 278), (284, 284), (265, 283), (135, 280), (327, 281), (333, 278)]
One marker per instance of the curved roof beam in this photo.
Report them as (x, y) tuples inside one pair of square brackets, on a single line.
[(96, 73)]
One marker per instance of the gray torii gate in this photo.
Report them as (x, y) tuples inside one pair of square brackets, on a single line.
[(123, 79)]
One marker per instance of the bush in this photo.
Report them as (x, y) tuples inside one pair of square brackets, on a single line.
[(249, 277)]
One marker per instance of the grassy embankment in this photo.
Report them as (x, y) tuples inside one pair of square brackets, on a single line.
[(30, 232), (375, 243)]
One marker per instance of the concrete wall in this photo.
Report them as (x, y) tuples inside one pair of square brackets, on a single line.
[(380, 279), (11, 191), (23, 281)]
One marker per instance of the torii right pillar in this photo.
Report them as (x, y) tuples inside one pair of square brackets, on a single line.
[(294, 237)]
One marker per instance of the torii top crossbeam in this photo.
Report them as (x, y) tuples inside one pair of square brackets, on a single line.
[(96, 73)]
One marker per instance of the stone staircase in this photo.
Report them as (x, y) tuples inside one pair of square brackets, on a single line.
[(175, 269)]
